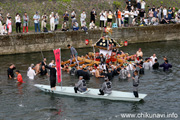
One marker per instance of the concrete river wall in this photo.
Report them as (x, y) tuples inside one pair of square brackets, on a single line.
[(34, 42)]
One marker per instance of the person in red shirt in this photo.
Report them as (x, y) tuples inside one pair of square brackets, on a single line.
[(19, 77)]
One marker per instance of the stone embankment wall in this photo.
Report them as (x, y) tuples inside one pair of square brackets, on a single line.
[(26, 43)]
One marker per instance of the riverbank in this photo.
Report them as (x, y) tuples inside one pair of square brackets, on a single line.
[(35, 42)]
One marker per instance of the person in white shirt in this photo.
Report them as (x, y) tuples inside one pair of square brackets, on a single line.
[(18, 23), (153, 58), (75, 26), (3, 30), (143, 4), (1, 27), (83, 17), (51, 63), (52, 19), (164, 12), (102, 19), (92, 25), (31, 73), (146, 64)]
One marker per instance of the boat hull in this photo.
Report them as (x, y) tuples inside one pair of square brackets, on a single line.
[(91, 93)]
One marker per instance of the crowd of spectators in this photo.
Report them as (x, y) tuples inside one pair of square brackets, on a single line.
[(133, 15)]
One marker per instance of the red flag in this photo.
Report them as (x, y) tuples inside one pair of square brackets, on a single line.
[(57, 55)]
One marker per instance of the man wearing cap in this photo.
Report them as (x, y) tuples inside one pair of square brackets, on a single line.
[(52, 76), (80, 85), (36, 22), (106, 87)]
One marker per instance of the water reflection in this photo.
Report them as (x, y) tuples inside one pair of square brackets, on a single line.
[(20, 88)]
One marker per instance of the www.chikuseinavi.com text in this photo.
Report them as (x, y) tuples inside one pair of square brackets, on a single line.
[(150, 115)]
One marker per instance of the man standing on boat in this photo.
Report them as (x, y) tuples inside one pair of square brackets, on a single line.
[(74, 54), (52, 76), (135, 83), (106, 87), (80, 85)]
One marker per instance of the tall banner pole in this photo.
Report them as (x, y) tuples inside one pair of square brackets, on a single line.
[(60, 68)]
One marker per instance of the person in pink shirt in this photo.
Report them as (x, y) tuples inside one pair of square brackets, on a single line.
[(9, 26)]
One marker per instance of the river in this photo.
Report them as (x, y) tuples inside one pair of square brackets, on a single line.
[(25, 102)]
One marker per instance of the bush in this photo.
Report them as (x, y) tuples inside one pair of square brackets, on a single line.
[(117, 4)]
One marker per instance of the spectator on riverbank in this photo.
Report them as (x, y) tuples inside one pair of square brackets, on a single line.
[(119, 18), (93, 15), (66, 16), (9, 25), (92, 25), (36, 18), (44, 22), (170, 13), (126, 18), (4, 29), (164, 12), (18, 23), (102, 19), (25, 22), (52, 19), (1, 26), (84, 27), (138, 4), (165, 20), (56, 21), (105, 17), (75, 26), (64, 26), (110, 17), (143, 5), (83, 17), (73, 17)]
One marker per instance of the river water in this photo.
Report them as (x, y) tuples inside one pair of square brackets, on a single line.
[(25, 102)]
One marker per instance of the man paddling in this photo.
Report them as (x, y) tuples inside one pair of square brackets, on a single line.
[(106, 87), (74, 53), (52, 76), (80, 85), (135, 83)]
